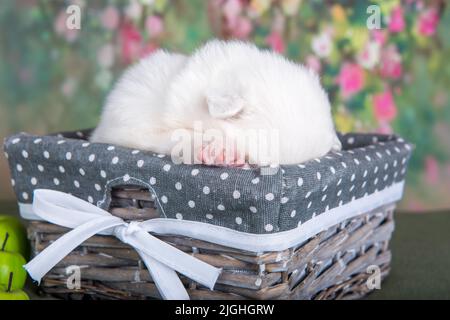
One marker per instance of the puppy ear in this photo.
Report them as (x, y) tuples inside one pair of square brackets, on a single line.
[(223, 104)]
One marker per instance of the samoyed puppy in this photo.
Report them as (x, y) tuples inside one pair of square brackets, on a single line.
[(246, 104)]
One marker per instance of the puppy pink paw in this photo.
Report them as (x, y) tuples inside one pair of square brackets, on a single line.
[(216, 154)]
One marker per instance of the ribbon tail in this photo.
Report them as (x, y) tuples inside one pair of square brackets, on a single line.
[(166, 280), (54, 253), (175, 259)]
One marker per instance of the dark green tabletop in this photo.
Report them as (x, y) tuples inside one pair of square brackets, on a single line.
[(421, 256)]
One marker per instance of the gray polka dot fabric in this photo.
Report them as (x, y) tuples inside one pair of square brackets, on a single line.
[(252, 200)]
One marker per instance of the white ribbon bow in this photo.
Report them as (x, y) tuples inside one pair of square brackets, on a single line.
[(86, 220)]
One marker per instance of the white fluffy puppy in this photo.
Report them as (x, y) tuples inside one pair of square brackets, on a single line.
[(231, 87), (133, 112)]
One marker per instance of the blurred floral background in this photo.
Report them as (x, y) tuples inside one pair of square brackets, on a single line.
[(392, 79)]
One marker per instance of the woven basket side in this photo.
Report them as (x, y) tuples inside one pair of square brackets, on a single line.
[(331, 265)]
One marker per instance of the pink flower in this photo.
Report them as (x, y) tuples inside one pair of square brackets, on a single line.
[(350, 79), (242, 28), (313, 63), (428, 22), (237, 26), (369, 56), (396, 21), (154, 26), (391, 64), (231, 10), (130, 42), (384, 128), (60, 26), (384, 106), (110, 18), (431, 170), (322, 44), (419, 5), (379, 36), (275, 41)]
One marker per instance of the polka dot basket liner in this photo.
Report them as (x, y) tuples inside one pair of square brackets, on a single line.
[(294, 232)]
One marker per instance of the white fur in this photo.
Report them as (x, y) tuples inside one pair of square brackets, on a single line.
[(133, 112), (228, 86)]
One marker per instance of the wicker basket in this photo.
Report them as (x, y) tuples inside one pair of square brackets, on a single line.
[(331, 265), (308, 231)]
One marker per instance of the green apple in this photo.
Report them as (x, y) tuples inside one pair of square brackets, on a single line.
[(12, 273), (7, 294), (13, 236), (14, 295)]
